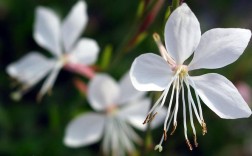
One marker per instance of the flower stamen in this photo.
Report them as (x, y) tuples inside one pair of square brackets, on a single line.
[(149, 118), (189, 144), (152, 117), (176, 107), (165, 134), (197, 97), (174, 128), (195, 141), (204, 128)]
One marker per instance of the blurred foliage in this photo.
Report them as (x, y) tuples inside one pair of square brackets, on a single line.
[(31, 128)]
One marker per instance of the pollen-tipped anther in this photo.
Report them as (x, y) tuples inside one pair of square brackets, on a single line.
[(147, 119), (195, 141), (189, 144), (204, 128), (165, 135), (174, 128), (152, 117)]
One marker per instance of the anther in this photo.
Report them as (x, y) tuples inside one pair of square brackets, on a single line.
[(147, 119), (174, 128), (152, 117), (165, 135), (204, 128), (189, 144), (195, 141)]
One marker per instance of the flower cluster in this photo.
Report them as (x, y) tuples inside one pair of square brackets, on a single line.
[(120, 106), (116, 109)]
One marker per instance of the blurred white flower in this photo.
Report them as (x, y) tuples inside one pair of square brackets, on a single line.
[(118, 106), (61, 40), (216, 48)]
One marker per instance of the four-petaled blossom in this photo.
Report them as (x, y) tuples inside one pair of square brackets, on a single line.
[(61, 41), (118, 105), (216, 48)]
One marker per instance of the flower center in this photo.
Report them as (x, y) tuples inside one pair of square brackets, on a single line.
[(111, 110), (64, 59), (183, 71)]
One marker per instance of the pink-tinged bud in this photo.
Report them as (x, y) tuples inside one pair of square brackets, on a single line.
[(245, 91), (80, 85), (147, 21), (81, 69)]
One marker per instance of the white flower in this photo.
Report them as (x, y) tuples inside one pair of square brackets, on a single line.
[(61, 41), (118, 105), (216, 48)]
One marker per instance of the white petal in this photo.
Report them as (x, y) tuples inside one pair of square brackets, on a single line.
[(84, 130), (31, 68), (127, 90), (150, 72), (136, 112), (221, 96), (47, 30), (103, 92), (182, 33), (48, 84), (85, 52), (73, 25), (220, 47)]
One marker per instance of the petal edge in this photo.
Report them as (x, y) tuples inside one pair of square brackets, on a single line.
[(221, 96)]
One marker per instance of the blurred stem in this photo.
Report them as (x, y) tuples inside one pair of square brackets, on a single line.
[(136, 33), (81, 86), (54, 118), (106, 57), (175, 4)]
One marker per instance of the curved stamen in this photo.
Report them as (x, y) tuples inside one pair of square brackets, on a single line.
[(176, 107), (192, 125), (190, 100), (159, 146), (169, 109), (198, 99), (203, 124), (162, 97), (184, 116)]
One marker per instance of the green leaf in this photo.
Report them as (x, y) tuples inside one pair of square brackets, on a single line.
[(167, 13), (175, 4), (140, 9), (106, 56)]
